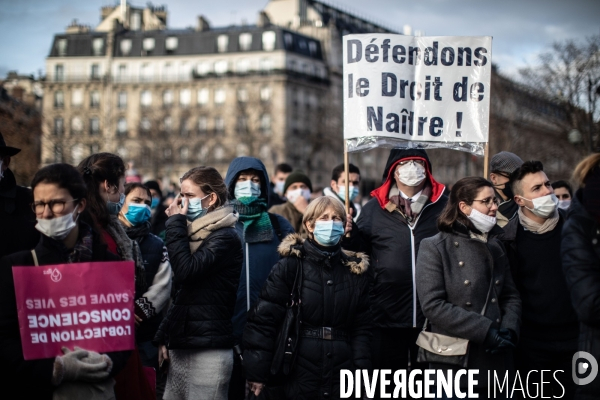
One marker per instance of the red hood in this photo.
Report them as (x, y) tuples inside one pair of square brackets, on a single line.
[(382, 192)]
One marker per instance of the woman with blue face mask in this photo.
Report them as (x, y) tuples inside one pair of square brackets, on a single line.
[(333, 306), (135, 217), (196, 336)]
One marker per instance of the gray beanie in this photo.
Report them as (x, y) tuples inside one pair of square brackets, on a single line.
[(505, 162)]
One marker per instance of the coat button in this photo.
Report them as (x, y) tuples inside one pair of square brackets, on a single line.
[(493, 300), (329, 355), (329, 282), (468, 304), (455, 244), (498, 282), (461, 263), (326, 394), (467, 282), (594, 241), (498, 320)]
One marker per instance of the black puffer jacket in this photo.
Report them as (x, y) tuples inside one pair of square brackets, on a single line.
[(206, 283), (334, 294), (393, 245), (580, 251)]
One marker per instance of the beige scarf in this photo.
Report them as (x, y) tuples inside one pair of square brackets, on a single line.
[(198, 230), (538, 228)]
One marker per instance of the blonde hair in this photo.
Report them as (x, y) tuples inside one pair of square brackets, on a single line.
[(583, 169), (318, 206)]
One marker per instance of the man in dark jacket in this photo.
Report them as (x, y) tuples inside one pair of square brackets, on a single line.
[(403, 212), (549, 326), (337, 187), (261, 233), (580, 250), (502, 166), (17, 219)]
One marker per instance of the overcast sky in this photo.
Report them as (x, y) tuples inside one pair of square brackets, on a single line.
[(521, 28)]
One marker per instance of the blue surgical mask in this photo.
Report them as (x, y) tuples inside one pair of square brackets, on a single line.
[(328, 233), (155, 202), (279, 187), (195, 209), (115, 208), (353, 192), (137, 213), (246, 189)]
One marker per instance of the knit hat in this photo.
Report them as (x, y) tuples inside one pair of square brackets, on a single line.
[(297, 176), (7, 150), (505, 162)]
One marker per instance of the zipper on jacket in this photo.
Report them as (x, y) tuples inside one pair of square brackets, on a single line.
[(247, 278)]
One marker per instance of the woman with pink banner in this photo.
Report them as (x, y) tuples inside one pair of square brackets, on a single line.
[(68, 236)]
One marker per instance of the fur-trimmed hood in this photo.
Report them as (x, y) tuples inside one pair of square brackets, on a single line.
[(293, 244)]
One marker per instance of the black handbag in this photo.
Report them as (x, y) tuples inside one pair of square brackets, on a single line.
[(288, 335)]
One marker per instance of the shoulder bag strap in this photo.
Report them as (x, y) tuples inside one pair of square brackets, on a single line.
[(35, 259), (276, 226)]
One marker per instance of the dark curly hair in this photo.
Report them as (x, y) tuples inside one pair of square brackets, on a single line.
[(528, 167)]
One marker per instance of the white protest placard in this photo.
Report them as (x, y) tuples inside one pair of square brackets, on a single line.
[(417, 92)]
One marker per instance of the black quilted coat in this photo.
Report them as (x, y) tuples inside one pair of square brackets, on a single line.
[(334, 294), (580, 251), (206, 286)]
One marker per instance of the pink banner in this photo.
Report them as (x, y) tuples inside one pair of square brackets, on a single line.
[(89, 305)]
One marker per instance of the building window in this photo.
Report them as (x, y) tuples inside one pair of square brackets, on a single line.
[(167, 98), (203, 96), (289, 40), (185, 97), (76, 125), (94, 126), (219, 153), (121, 72), (184, 71), (122, 152), (266, 64), (204, 68), (59, 72), (61, 46), (167, 153), (95, 71), (145, 155), (171, 43), (242, 66), (242, 124), (292, 65), (59, 99), (184, 154), (265, 152), (245, 41), (183, 128), (312, 48), (219, 124), (94, 99), (122, 126), (221, 67), (242, 150), (94, 148), (265, 93), (98, 46), (268, 40), (202, 154), (265, 123), (145, 124), (122, 100), (58, 153), (242, 95), (202, 124), (76, 97), (219, 96), (146, 98), (168, 74), (146, 72), (135, 21), (59, 126), (148, 44), (302, 44), (125, 47), (222, 43), (168, 124)]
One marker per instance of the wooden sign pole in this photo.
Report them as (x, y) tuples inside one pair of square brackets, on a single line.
[(486, 159)]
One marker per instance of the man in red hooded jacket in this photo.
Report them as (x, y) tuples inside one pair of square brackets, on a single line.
[(402, 212)]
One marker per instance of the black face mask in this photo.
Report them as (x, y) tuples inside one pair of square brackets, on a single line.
[(507, 191)]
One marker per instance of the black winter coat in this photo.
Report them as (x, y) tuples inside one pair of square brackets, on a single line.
[(32, 379), (334, 294), (206, 286), (580, 251), (393, 245)]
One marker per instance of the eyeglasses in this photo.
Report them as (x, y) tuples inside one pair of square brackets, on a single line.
[(420, 162), (489, 201), (57, 206)]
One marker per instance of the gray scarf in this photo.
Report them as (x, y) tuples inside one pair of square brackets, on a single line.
[(535, 227)]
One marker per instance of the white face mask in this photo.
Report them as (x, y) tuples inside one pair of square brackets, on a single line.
[(279, 187), (564, 204), (293, 195), (57, 228), (544, 206), (483, 222), (411, 173)]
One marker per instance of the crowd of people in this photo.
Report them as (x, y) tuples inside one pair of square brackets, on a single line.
[(253, 285)]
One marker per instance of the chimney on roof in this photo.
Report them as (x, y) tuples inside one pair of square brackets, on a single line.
[(263, 19), (203, 24)]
